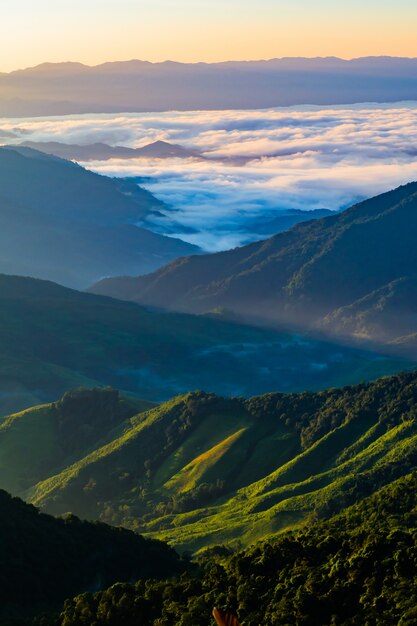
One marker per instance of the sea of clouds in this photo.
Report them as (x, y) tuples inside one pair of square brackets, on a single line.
[(257, 163)]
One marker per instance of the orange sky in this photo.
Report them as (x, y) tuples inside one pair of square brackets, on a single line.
[(94, 31)]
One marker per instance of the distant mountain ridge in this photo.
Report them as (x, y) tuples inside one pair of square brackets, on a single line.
[(61, 222), (64, 88), (352, 274), (103, 151)]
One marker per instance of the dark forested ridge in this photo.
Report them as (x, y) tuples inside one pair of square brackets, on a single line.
[(357, 568), (351, 275), (61, 222), (44, 560)]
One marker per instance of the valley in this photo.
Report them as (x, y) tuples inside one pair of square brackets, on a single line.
[(53, 339), (208, 327), (350, 276)]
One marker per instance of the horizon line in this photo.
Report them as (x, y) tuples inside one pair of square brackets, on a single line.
[(45, 64)]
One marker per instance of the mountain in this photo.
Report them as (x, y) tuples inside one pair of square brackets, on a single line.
[(65, 88), (45, 560), (64, 431), (165, 150), (103, 152), (201, 470), (357, 568), (53, 339), (59, 221), (351, 275), (283, 220)]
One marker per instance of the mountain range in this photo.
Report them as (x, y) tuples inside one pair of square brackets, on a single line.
[(336, 515), (104, 152), (61, 222), (53, 339), (251, 413), (351, 275), (65, 88)]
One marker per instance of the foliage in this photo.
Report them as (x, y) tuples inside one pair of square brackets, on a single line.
[(357, 568), (44, 560), (53, 339), (199, 469), (351, 275)]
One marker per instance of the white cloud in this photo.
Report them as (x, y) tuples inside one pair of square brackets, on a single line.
[(298, 157)]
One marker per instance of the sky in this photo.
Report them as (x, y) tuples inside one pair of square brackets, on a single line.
[(95, 31)]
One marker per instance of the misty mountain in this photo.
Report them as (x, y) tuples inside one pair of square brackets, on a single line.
[(352, 274), (282, 220), (63, 88), (59, 221), (103, 152), (53, 339)]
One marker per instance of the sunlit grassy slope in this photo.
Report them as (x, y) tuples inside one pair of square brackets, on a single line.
[(201, 470)]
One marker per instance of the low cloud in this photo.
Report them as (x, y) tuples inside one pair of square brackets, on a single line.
[(263, 161)]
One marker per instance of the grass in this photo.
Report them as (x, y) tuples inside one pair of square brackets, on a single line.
[(193, 473), (279, 460)]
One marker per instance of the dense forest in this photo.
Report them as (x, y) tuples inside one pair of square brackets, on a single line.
[(54, 339), (44, 560), (357, 568)]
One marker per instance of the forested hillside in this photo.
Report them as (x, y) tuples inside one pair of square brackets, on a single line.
[(351, 275), (53, 339), (201, 469), (44, 560), (358, 568)]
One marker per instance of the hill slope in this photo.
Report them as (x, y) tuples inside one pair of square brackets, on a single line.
[(45, 560), (351, 275), (61, 222), (48, 438), (200, 469), (357, 568), (53, 339)]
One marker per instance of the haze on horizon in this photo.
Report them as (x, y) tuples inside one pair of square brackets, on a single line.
[(96, 31)]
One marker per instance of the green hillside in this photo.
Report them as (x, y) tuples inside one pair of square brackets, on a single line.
[(357, 568), (201, 470), (350, 275), (53, 339), (43, 440)]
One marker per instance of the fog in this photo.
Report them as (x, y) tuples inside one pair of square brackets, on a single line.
[(256, 163)]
